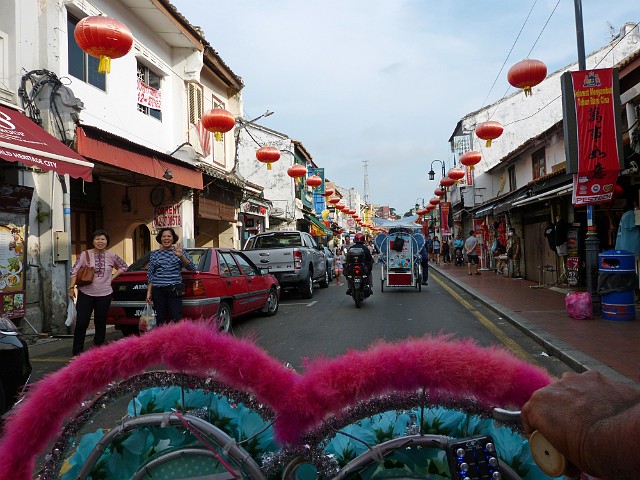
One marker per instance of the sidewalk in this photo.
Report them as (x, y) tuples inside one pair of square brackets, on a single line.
[(612, 347)]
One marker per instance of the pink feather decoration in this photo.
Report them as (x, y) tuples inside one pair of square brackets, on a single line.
[(462, 369)]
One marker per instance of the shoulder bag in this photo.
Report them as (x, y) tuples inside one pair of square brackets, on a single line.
[(85, 273)]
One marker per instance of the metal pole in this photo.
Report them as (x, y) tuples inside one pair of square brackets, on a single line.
[(592, 244)]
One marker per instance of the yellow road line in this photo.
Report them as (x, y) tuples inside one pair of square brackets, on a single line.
[(489, 325)]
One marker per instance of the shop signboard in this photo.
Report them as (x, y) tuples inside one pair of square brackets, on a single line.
[(592, 133), (167, 216), (445, 227), (572, 262), (15, 202)]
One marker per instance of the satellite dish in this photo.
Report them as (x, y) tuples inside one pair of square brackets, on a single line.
[(277, 212)]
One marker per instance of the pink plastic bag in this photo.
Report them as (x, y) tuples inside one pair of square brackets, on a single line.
[(579, 305)]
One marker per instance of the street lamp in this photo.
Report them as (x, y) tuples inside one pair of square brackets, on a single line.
[(432, 174)]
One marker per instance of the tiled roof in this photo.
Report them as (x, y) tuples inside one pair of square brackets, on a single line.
[(546, 177)]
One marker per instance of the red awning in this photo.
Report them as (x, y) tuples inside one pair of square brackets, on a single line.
[(124, 154), (21, 140)]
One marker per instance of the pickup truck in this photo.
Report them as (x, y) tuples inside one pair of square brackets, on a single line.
[(294, 257)]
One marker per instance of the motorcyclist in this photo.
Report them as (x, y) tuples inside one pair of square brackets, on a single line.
[(359, 253)]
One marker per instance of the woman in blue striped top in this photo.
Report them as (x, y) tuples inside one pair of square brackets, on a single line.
[(165, 287)]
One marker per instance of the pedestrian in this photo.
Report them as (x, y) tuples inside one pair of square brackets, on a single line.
[(339, 259), (429, 246), (424, 263), (445, 251), (513, 254), (472, 249), (436, 250), (164, 275), (95, 297)]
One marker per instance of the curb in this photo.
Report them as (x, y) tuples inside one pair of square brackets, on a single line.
[(575, 358)]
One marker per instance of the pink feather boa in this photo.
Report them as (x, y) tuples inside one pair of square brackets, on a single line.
[(301, 402)]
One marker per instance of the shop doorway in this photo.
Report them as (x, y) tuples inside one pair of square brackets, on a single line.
[(141, 241)]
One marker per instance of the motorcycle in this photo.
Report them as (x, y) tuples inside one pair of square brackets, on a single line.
[(358, 282)]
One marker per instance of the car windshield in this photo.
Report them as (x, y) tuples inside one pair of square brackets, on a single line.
[(198, 257), (278, 240)]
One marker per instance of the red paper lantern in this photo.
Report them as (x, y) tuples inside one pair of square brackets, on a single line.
[(526, 74), (328, 192), (297, 171), (268, 155), (341, 206), (355, 217), (439, 192), (447, 182), (434, 201), (470, 158), (489, 131), (218, 121), (104, 38), (456, 173), (430, 208), (352, 211), (422, 211), (314, 181), (618, 191), (334, 200)]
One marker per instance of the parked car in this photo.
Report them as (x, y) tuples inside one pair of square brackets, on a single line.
[(225, 283), (293, 257), (331, 262), (15, 368)]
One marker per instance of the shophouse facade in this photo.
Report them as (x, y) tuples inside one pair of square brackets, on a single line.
[(137, 127), (521, 181)]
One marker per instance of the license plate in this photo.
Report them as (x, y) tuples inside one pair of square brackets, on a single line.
[(357, 283), (134, 312)]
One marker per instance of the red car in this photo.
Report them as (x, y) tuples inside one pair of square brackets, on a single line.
[(225, 283)]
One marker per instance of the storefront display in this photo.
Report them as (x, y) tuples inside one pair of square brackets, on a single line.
[(15, 202), (572, 262)]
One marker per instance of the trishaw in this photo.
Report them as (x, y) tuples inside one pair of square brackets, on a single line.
[(400, 255)]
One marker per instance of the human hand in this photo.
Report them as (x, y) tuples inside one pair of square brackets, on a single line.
[(177, 249), (149, 300), (71, 293), (591, 420)]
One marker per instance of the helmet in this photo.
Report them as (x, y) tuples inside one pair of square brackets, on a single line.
[(359, 238)]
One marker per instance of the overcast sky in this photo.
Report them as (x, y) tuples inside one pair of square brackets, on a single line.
[(387, 80)]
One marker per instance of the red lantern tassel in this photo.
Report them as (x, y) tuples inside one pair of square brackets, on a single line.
[(217, 136), (489, 143), (105, 64), (268, 166)]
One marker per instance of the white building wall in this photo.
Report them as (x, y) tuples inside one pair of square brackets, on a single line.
[(528, 117), (279, 188)]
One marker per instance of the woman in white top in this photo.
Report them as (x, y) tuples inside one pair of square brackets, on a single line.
[(339, 260)]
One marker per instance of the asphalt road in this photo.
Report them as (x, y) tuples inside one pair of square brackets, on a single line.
[(329, 324)]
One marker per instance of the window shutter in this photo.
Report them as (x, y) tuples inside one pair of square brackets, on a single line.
[(195, 103)]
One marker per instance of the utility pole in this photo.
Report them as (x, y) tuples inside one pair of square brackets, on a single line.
[(366, 181)]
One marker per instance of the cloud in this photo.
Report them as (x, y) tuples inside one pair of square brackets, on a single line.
[(387, 81)]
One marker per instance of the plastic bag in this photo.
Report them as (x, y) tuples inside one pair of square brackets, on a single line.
[(71, 314), (147, 319), (579, 305)]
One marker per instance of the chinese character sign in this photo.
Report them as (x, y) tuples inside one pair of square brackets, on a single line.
[(597, 142), (445, 228)]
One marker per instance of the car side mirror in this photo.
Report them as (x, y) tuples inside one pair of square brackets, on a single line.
[(264, 271)]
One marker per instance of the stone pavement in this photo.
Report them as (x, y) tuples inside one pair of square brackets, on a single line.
[(612, 347)]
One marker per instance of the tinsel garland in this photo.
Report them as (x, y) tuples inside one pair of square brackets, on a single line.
[(132, 386)]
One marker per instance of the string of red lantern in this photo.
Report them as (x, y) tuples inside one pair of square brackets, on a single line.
[(218, 121), (489, 131), (297, 171), (104, 38), (526, 74), (470, 158), (268, 155), (456, 173), (314, 181)]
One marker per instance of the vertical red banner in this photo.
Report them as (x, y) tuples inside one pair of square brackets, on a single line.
[(445, 228), (469, 176), (598, 156)]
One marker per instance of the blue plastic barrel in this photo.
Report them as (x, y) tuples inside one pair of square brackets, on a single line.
[(618, 305), (617, 261)]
